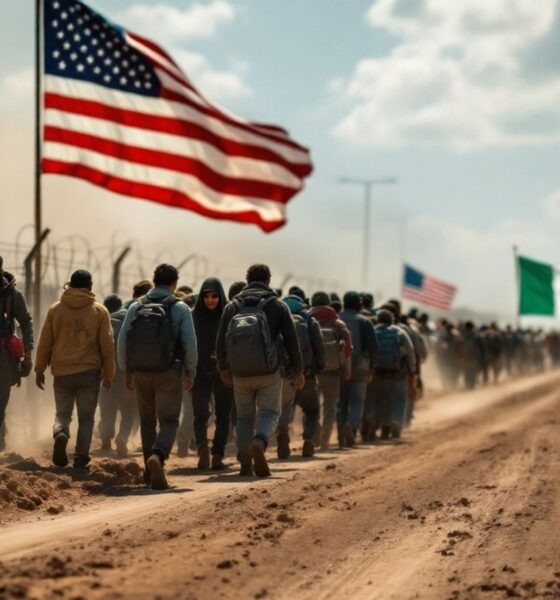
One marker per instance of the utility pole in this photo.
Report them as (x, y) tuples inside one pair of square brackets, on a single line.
[(367, 184)]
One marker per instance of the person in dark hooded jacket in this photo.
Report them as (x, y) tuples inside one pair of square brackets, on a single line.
[(13, 309), (207, 315)]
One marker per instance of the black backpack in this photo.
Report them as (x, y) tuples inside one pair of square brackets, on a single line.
[(301, 324), (250, 349), (388, 357), (150, 343)]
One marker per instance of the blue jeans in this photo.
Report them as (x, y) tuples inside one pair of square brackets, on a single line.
[(350, 407), (258, 401)]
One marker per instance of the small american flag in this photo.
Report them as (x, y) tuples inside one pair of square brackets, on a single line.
[(122, 115), (425, 289)]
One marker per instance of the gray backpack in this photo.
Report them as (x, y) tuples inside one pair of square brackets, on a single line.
[(250, 349)]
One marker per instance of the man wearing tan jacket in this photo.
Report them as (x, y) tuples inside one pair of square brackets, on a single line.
[(77, 342)]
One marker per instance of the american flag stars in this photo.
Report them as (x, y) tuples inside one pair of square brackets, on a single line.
[(83, 46)]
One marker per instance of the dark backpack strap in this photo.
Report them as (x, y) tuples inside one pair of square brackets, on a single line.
[(264, 301)]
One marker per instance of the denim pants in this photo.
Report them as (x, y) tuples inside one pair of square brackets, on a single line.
[(258, 401), (159, 397), (389, 397), (82, 390), (351, 404), (117, 400), (204, 386), (306, 398)]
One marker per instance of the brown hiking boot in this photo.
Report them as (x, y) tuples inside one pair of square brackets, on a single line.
[(122, 448), (308, 449), (218, 462), (204, 458), (283, 449), (154, 466), (349, 437), (259, 459), (246, 464)]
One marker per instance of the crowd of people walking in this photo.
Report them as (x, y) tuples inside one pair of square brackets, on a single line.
[(170, 359)]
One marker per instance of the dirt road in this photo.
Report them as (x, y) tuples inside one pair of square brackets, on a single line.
[(467, 507)]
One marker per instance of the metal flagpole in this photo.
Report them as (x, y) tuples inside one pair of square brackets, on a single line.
[(38, 203), (517, 288)]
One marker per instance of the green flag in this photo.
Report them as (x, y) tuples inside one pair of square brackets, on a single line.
[(536, 287)]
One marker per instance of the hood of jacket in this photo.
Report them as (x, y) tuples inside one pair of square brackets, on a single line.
[(295, 304), (210, 285), (7, 281), (255, 292), (77, 297), (324, 314)]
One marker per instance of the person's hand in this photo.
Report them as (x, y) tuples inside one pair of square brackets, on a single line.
[(188, 383), (226, 377), (299, 381), (106, 383), (26, 364), (40, 380), (129, 382)]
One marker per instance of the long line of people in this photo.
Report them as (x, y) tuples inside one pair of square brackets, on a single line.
[(248, 361)]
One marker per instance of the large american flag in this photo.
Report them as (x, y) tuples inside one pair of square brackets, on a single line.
[(426, 289), (120, 113)]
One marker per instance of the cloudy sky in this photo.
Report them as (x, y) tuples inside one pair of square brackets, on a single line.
[(460, 101)]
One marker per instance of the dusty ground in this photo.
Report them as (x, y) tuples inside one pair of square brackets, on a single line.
[(467, 507)]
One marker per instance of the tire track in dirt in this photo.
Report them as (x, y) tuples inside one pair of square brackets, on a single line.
[(415, 520)]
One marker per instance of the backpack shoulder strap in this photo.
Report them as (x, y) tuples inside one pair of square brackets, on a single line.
[(170, 300), (264, 301)]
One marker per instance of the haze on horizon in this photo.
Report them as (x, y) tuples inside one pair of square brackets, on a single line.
[(459, 101)]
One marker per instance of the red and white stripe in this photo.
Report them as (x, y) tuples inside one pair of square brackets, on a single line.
[(432, 293), (178, 149)]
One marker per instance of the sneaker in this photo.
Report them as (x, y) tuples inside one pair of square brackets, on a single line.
[(204, 458), (157, 474), (218, 462), (308, 449), (59, 457), (106, 445), (349, 437), (283, 448), (259, 459), (122, 448)]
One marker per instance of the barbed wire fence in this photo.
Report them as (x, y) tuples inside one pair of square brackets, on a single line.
[(124, 261)]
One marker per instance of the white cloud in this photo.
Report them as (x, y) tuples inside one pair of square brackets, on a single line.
[(176, 25), (459, 74), (217, 85)]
